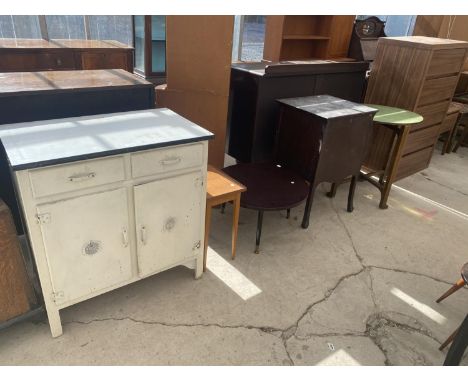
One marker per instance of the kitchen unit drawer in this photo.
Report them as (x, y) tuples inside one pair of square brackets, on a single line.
[(446, 62), (71, 177), (437, 89), (166, 160)]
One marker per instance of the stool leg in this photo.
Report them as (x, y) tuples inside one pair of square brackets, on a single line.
[(450, 339), (235, 224), (352, 188), (288, 213), (459, 284), (308, 207), (259, 231), (332, 192), (207, 233)]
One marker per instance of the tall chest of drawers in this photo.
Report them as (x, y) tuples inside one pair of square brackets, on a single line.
[(109, 199), (419, 74)]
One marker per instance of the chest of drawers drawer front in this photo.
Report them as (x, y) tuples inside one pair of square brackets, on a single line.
[(421, 139), (414, 162), (432, 114), (437, 89), (72, 177), (446, 61), (165, 160)]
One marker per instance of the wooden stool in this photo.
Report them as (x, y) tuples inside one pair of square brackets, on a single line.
[(462, 122), (221, 189)]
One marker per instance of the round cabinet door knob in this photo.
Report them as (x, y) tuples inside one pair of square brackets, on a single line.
[(170, 223)]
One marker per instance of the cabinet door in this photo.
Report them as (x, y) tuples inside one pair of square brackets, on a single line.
[(168, 221), (86, 242)]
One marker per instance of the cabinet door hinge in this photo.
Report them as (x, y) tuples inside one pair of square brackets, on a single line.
[(197, 245), (43, 218), (57, 296)]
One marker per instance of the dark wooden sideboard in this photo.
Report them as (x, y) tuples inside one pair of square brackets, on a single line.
[(253, 111), (33, 96), (28, 55)]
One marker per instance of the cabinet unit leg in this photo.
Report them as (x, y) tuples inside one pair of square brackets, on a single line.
[(198, 267), (55, 323)]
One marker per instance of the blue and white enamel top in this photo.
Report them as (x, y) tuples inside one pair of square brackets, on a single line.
[(43, 143)]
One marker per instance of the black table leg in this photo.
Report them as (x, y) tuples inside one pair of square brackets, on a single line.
[(352, 188), (259, 230), (308, 207), (332, 192), (288, 213)]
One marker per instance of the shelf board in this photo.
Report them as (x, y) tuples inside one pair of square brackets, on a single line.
[(304, 37)]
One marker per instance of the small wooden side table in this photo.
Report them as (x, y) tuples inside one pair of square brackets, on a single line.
[(221, 189), (399, 122)]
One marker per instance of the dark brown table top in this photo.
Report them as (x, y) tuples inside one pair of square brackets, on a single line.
[(269, 186), (60, 80)]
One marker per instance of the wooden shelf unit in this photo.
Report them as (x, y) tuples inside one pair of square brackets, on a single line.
[(307, 37)]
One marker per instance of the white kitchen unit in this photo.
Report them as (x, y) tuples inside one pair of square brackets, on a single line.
[(108, 199)]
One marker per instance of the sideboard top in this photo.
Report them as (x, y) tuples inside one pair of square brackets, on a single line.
[(21, 83), (424, 42), (44, 143), (26, 43)]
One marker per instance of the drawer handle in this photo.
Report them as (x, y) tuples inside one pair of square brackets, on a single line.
[(82, 177), (143, 234), (125, 237), (170, 161)]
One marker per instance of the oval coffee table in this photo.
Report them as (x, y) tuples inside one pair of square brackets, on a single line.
[(270, 187)]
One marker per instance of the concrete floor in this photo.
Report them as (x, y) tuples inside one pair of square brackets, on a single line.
[(353, 289)]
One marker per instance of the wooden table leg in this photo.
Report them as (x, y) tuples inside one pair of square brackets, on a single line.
[(207, 233), (393, 165), (235, 223)]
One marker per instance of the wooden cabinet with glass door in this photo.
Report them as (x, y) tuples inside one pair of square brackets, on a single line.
[(150, 46)]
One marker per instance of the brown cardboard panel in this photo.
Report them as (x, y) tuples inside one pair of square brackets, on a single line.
[(198, 57), (199, 52), (203, 108)]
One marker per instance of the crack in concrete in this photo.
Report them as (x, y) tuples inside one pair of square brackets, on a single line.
[(264, 329), (376, 322)]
